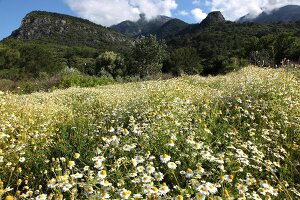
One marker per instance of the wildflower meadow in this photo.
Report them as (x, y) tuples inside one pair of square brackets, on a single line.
[(226, 137)]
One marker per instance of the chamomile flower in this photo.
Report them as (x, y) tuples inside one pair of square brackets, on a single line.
[(70, 164), (125, 194), (76, 155), (228, 178), (165, 158), (172, 165), (189, 173), (202, 189), (98, 164), (171, 143), (22, 159), (104, 194), (146, 178), (140, 169), (105, 183), (150, 169), (77, 175), (159, 176), (137, 196), (41, 197), (164, 189), (211, 187), (67, 187)]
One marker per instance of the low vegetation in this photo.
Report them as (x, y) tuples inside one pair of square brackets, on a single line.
[(223, 137)]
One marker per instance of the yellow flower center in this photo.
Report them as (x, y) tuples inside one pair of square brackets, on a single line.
[(9, 197)]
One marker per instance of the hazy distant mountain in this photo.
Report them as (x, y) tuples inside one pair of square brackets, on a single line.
[(140, 27), (67, 30), (286, 14)]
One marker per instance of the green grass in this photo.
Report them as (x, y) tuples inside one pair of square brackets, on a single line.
[(233, 136)]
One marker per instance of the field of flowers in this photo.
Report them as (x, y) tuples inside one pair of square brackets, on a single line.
[(227, 137)]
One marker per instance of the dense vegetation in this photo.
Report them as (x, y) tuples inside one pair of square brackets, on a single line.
[(37, 58), (227, 46), (224, 137)]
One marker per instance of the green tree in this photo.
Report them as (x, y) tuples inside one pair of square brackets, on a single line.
[(148, 55), (36, 59), (283, 46), (184, 60), (9, 57), (110, 63)]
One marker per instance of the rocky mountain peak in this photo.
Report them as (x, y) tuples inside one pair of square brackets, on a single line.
[(65, 29), (212, 18)]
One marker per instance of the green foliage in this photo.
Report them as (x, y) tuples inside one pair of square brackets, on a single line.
[(35, 59), (261, 44), (214, 49), (110, 63), (184, 60), (11, 73), (7, 85), (148, 56), (79, 80), (9, 57)]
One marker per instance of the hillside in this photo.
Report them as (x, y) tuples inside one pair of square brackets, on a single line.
[(221, 44), (141, 27), (67, 30), (286, 14), (170, 29), (202, 137)]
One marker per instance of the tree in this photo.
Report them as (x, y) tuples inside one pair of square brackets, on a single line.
[(184, 60), (283, 46), (9, 57), (110, 63), (36, 59), (148, 55)]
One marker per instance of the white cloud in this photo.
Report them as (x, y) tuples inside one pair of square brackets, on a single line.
[(183, 13), (196, 2), (198, 14), (109, 12), (234, 9)]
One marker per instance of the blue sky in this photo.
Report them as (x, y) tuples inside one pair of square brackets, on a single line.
[(108, 12)]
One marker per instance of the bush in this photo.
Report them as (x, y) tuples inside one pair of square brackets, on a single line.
[(12, 74), (7, 85), (110, 63), (84, 81)]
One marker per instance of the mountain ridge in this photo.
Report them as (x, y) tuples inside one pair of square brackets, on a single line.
[(67, 30), (141, 27), (285, 14)]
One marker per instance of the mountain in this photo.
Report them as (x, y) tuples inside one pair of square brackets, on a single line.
[(170, 28), (140, 27), (286, 14), (67, 30), (214, 18)]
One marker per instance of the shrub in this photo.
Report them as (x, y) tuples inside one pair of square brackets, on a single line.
[(84, 81)]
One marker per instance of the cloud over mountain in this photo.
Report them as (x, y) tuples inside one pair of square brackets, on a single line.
[(108, 12), (198, 14), (233, 9)]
